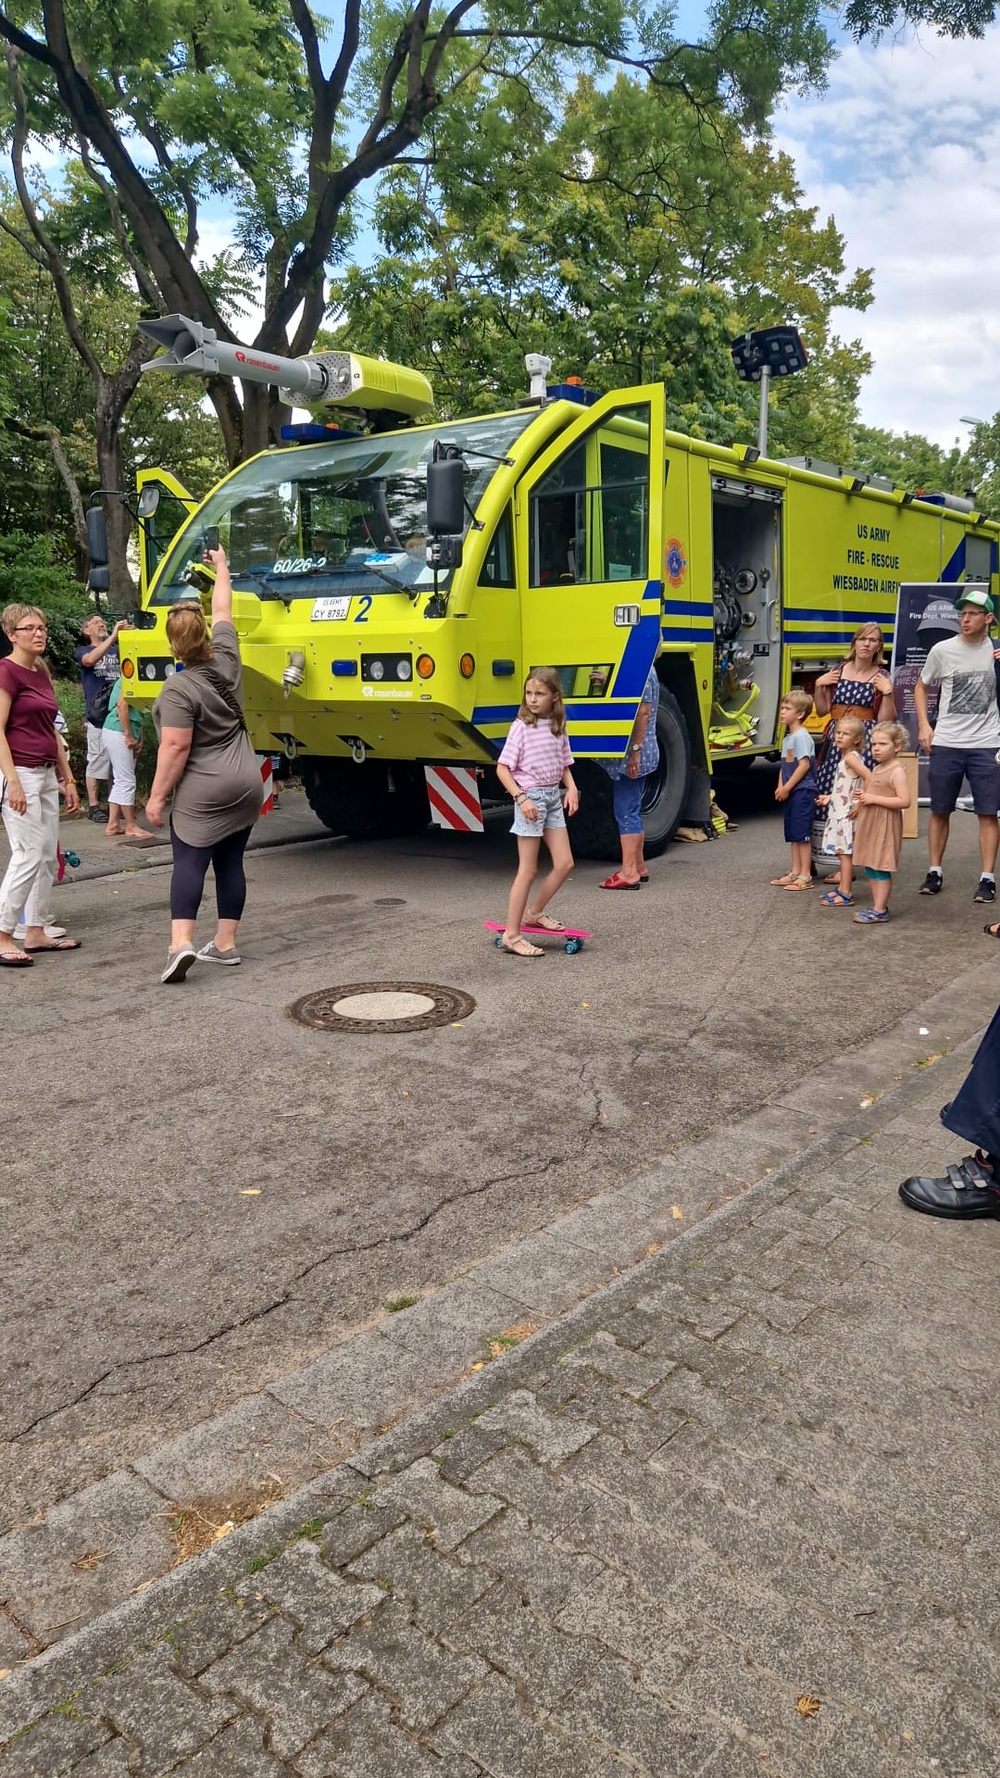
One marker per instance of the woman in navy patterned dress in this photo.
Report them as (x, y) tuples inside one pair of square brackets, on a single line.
[(859, 687)]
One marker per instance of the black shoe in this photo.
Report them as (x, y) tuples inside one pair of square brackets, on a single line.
[(96, 813), (970, 1189), (932, 884), (987, 890)]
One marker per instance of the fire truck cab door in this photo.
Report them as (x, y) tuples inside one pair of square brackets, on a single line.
[(164, 506), (590, 517)]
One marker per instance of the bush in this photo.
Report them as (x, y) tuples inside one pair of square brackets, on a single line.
[(33, 573)]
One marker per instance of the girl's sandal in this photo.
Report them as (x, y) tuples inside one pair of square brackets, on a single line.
[(520, 947), (835, 898), (783, 882), (798, 883), (544, 922)]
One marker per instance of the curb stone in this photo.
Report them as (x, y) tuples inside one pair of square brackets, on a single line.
[(61, 1670)]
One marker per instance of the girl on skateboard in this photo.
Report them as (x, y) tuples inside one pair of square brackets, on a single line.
[(535, 766)]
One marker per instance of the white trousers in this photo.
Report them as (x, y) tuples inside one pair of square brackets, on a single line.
[(34, 840), (122, 759)]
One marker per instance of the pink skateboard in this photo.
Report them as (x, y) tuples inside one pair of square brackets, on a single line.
[(570, 939)]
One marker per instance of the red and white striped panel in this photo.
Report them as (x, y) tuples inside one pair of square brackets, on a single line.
[(267, 784), (453, 793)]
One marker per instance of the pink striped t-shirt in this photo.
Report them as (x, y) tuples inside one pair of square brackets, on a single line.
[(534, 755)]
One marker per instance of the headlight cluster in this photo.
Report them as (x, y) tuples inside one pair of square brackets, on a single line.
[(378, 667)]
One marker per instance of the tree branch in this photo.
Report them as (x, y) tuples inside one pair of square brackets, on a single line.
[(53, 258), (53, 437)]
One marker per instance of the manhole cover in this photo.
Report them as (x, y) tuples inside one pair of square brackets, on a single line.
[(390, 901), (382, 1006)]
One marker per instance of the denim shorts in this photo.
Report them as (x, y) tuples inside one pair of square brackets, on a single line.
[(628, 804), (800, 810), (949, 765), (547, 799)]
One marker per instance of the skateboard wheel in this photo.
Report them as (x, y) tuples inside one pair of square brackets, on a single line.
[(572, 945), (498, 941)]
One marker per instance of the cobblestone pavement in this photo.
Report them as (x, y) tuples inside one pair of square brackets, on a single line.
[(734, 1515)]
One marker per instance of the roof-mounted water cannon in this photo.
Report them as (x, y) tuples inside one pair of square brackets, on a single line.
[(322, 379)]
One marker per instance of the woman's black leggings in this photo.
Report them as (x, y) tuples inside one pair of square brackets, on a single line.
[(187, 885)]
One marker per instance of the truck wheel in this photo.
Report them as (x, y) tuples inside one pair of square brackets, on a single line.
[(594, 833), (373, 801)]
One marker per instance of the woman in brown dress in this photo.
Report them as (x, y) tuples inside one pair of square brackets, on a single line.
[(205, 758), (878, 835)]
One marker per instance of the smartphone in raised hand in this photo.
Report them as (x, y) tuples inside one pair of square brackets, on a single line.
[(211, 537)]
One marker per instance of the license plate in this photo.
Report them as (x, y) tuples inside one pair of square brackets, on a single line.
[(331, 610)]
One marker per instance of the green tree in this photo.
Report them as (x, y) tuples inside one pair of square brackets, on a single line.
[(54, 374), (33, 571), (910, 461), (983, 461), (648, 235), (950, 18), (244, 105)]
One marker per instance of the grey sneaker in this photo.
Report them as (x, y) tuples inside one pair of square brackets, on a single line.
[(212, 954), (50, 931), (178, 964)]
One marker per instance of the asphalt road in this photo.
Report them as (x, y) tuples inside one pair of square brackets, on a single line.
[(142, 1291)]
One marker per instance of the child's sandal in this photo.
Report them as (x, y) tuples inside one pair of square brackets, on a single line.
[(798, 883), (835, 898)]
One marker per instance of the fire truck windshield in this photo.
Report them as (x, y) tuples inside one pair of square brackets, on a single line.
[(346, 517)]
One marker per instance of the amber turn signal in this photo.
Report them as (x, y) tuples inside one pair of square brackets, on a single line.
[(467, 666), (425, 666), (128, 668)]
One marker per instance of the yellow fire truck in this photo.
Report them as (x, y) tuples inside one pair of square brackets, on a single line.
[(393, 586)]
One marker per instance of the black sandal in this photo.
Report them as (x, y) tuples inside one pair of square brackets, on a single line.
[(992, 929)]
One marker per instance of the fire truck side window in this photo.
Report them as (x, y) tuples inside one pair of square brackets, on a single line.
[(590, 512), (498, 566)]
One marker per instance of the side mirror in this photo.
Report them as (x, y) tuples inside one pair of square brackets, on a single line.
[(445, 502), (99, 580), (149, 500), (97, 537), (141, 620)]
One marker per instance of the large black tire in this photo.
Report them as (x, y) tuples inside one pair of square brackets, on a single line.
[(373, 801), (594, 833)]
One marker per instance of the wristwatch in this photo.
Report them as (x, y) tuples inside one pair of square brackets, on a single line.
[(636, 747)]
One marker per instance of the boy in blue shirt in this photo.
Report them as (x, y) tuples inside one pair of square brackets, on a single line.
[(797, 788)]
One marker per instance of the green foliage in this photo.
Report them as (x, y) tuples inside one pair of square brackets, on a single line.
[(634, 248), (32, 573), (239, 104), (950, 18), (45, 384), (983, 463), (911, 461)]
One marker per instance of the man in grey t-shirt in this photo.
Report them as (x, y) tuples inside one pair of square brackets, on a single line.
[(965, 739)]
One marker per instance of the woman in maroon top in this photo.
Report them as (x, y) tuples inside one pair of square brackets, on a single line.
[(33, 764)]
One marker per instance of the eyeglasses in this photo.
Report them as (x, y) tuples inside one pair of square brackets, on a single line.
[(32, 629)]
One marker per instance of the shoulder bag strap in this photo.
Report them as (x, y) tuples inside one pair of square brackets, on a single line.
[(225, 692)]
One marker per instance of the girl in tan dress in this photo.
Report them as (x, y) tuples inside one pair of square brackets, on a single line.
[(878, 811)]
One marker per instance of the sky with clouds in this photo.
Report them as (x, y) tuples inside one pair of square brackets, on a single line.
[(903, 150)]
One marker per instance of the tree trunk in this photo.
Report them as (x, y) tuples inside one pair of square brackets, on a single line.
[(122, 594)]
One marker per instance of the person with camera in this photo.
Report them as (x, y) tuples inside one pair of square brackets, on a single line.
[(206, 762)]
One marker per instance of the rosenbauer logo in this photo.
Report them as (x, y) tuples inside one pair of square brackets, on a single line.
[(255, 363)]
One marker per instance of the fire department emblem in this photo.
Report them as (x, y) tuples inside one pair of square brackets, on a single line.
[(676, 562)]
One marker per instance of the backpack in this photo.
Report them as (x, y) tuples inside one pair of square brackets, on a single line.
[(97, 709)]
